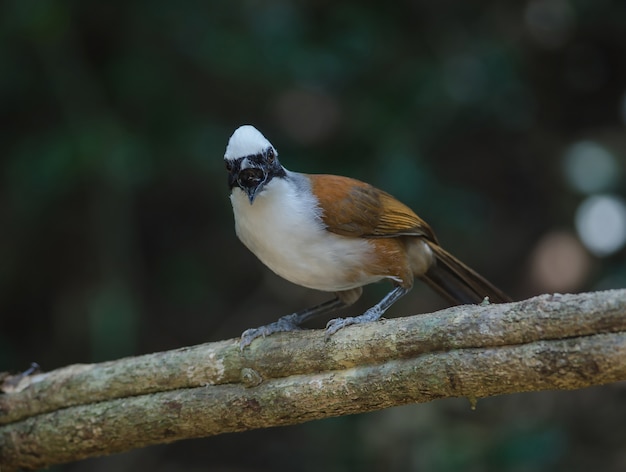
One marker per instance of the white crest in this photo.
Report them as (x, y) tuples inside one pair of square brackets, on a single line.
[(246, 141)]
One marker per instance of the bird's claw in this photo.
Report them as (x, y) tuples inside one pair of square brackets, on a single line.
[(338, 323), (373, 314), (282, 325), (250, 335)]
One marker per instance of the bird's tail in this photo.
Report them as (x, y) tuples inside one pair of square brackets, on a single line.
[(457, 282)]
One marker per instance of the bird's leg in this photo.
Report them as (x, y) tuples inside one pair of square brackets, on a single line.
[(373, 314), (290, 322), (293, 321)]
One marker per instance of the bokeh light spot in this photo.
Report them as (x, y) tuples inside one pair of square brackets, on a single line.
[(549, 22), (559, 263), (590, 167), (601, 224)]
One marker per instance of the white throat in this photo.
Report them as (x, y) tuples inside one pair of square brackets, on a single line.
[(283, 228)]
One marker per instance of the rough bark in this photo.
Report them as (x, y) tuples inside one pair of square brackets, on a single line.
[(547, 342)]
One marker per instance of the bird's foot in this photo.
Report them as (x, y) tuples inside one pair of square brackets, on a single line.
[(373, 314), (286, 323)]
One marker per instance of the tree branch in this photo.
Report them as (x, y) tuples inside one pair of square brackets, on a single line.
[(547, 342)]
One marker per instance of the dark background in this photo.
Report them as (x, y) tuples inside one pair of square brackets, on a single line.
[(116, 232)]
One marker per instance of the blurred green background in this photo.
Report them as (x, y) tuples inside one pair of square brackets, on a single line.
[(502, 123)]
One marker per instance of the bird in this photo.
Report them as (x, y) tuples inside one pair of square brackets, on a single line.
[(336, 234)]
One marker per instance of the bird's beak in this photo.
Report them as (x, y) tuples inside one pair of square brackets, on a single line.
[(251, 180)]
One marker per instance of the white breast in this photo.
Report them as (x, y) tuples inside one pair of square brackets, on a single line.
[(284, 230)]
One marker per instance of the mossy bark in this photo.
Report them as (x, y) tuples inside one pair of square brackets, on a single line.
[(547, 342)]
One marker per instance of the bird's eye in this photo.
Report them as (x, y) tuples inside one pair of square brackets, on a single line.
[(271, 155), (229, 165)]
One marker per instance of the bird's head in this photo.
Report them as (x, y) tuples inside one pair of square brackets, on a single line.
[(251, 161)]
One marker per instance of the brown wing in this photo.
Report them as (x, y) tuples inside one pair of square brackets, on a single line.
[(353, 208)]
